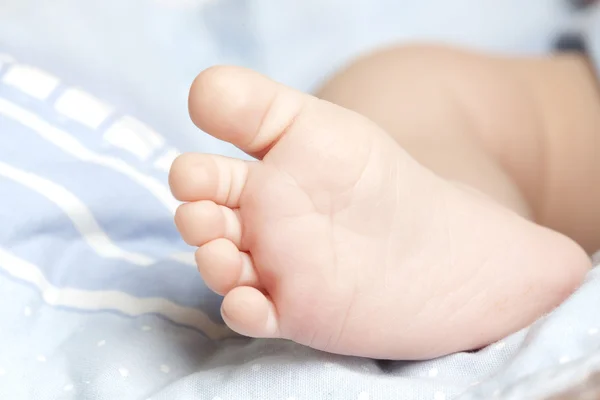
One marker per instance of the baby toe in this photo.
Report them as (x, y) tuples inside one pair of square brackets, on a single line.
[(249, 312)]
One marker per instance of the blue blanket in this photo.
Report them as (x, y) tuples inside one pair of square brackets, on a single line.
[(100, 298)]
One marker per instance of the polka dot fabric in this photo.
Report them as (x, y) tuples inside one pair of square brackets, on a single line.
[(91, 344), (104, 356)]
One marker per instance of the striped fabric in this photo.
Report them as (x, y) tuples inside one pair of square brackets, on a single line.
[(86, 210), (100, 298)]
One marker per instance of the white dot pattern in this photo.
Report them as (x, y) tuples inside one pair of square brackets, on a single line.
[(364, 396), (564, 359), (439, 396)]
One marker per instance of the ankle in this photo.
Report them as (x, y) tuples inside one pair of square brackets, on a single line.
[(567, 95)]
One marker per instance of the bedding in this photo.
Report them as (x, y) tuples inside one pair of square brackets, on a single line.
[(100, 298)]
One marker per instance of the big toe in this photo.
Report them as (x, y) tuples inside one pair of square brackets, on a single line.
[(242, 107), (255, 113)]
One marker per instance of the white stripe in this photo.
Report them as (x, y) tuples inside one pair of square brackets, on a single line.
[(78, 213), (184, 258), (165, 161), (109, 300), (32, 81), (72, 146), (132, 135), (82, 107)]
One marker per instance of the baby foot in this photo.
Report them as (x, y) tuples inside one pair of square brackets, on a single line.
[(337, 239)]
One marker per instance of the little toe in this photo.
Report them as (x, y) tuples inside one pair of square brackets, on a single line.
[(203, 221), (223, 267), (195, 177), (249, 312)]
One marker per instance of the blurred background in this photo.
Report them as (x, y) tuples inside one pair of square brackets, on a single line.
[(141, 55), (93, 104)]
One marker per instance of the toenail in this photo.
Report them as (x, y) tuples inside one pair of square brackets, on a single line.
[(224, 313)]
